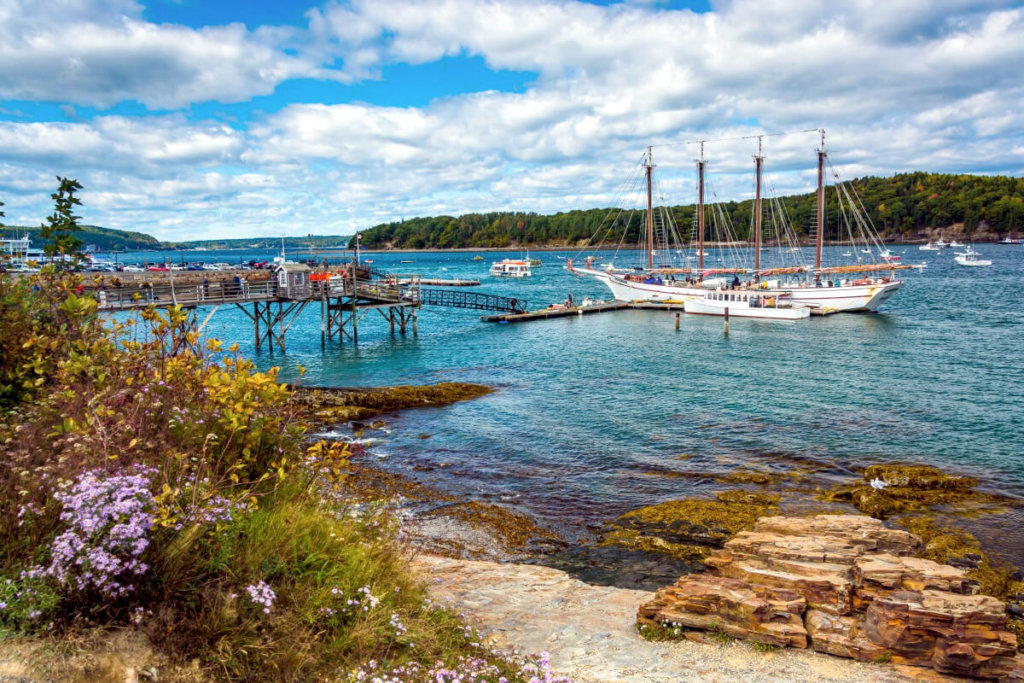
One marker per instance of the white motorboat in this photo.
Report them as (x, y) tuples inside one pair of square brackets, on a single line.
[(747, 304), (970, 258), (954, 243), (942, 244), (511, 268), (929, 247)]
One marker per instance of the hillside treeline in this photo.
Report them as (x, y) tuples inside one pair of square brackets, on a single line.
[(904, 206), (104, 239)]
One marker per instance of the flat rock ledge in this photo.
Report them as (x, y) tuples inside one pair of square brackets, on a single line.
[(848, 586), (590, 631)]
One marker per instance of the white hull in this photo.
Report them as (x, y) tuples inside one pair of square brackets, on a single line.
[(965, 261), (846, 298), (741, 309)]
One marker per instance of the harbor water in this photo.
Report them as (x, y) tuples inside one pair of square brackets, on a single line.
[(595, 415)]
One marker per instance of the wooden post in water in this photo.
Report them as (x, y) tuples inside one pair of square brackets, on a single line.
[(727, 321), (414, 332), (323, 318), (256, 321), (677, 321), (355, 308)]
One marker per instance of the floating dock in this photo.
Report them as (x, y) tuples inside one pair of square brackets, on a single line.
[(565, 312), (447, 283), (560, 312)]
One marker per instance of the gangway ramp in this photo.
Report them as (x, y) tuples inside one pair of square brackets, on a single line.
[(479, 301)]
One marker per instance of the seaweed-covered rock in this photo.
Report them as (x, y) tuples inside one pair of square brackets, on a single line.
[(890, 489), (326, 406), (688, 528)]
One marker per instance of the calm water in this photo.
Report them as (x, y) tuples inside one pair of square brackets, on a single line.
[(589, 410)]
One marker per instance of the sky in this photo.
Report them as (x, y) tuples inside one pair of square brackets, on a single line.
[(198, 119)]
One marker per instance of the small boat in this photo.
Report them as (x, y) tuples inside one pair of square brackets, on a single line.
[(942, 244), (408, 261), (889, 256), (477, 258), (954, 243), (747, 304), (931, 246), (535, 262), (970, 258), (511, 268)]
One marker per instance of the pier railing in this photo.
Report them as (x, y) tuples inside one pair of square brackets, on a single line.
[(403, 290)]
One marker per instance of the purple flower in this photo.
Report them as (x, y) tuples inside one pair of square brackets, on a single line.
[(108, 518), (261, 594)]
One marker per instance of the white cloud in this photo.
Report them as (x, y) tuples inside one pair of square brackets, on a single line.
[(900, 86)]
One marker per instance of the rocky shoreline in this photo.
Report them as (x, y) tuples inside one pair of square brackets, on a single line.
[(503, 554)]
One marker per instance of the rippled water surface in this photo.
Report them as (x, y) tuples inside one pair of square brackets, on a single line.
[(591, 413)]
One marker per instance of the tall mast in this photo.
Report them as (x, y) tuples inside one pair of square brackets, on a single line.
[(758, 163), (650, 213), (700, 207), (820, 232)]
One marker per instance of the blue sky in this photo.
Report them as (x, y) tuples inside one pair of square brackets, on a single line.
[(195, 119)]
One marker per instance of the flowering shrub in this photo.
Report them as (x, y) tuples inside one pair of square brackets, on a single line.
[(108, 518)]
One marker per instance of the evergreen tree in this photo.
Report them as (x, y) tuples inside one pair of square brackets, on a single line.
[(61, 226)]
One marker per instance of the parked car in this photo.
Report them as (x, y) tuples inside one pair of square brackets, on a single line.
[(131, 269), (158, 269)]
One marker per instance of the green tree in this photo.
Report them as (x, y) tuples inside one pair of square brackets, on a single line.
[(60, 227)]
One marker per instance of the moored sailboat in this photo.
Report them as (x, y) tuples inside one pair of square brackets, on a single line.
[(852, 287)]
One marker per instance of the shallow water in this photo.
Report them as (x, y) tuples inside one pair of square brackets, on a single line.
[(592, 413)]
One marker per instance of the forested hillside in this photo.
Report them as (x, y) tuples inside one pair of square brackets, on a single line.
[(104, 239), (904, 206)]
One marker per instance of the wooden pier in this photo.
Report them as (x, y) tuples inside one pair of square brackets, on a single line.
[(273, 307)]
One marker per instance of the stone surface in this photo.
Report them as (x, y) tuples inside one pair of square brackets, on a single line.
[(866, 597), (956, 634), (731, 606), (592, 637)]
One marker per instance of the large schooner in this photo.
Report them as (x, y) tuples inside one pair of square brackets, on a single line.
[(858, 286)]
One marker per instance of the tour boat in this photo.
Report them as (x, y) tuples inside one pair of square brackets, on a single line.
[(817, 286), (747, 304), (511, 268), (970, 258)]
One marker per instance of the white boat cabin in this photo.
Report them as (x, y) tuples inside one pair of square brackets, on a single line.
[(511, 268)]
